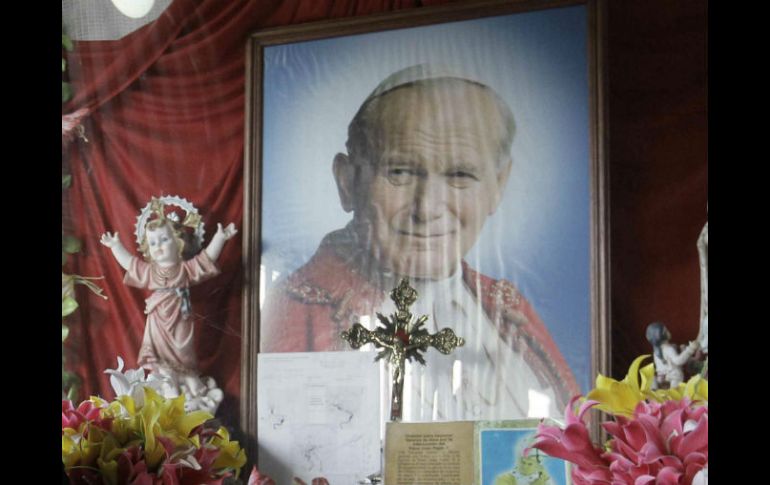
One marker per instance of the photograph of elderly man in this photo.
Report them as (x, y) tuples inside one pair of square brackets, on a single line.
[(428, 158)]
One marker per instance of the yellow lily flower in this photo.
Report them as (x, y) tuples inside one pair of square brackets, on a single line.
[(648, 376), (187, 422), (696, 389), (125, 421), (231, 455), (196, 441), (70, 451), (82, 451), (107, 459), (125, 404), (147, 425), (98, 402), (170, 411), (166, 418), (149, 414), (621, 397), (109, 471)]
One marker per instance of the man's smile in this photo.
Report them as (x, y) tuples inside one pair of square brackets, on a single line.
[(425, 235)]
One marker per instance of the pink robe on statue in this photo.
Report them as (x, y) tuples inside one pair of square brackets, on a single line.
[(168, 334)]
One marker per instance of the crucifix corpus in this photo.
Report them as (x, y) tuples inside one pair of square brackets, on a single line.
[(399, 340)]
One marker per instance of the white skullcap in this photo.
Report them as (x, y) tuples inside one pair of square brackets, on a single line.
[(420, 72)]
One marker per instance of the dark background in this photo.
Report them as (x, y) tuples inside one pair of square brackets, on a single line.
[(658, 153)]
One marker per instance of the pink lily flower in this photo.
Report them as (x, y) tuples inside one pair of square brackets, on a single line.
[(663, 444), (256, 478), (131, 466), (86, 412), (573, 444)]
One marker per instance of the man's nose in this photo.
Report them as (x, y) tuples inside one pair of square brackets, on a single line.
[(430, 199)]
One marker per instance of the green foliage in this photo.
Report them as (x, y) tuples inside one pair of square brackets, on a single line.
[(66, 88), (70, 244), (72, 393), (68, 305), (70, 383), (69, 380), (66, 42), (66, 92)]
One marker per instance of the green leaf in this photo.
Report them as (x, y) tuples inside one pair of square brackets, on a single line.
[(68, 305), (66, 92), (66, 42), (72, 394), (65, 331), (70, 244), (63, 65), (66, 181)]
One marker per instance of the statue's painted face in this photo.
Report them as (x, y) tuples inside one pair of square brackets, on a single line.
[(529, 465), (162, 245), (433, 179)]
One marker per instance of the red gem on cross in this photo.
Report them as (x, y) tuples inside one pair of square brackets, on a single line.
[(402, 335)]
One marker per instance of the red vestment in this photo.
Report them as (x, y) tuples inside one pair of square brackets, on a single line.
[(309, 310)]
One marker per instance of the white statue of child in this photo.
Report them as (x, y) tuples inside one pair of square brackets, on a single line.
[(168, 345), (668, 359)]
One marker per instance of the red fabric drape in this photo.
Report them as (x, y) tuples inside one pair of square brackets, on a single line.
[(166, 117)]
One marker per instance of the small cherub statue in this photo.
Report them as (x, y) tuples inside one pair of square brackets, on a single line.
[(168, 345), (668, 360)]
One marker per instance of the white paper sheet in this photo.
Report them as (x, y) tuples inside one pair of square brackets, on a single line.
[(319, 416)]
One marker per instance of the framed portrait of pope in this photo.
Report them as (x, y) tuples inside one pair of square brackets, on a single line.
[(458, 146)]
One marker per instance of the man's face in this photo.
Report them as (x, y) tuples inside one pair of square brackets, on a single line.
[(433, 177)]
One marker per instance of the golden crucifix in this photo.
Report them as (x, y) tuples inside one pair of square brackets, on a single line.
[(401, 340)]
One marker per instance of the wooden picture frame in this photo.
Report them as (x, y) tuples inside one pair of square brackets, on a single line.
[(328, 84)]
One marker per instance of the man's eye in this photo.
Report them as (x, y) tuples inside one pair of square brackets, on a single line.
[(461, 178), (399, 176), (152, 243)]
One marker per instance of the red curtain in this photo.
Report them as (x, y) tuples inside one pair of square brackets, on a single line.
[(165, 116)]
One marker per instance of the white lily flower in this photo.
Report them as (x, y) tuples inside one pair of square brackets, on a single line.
[(132, 382), (184, 457), (702, 477)]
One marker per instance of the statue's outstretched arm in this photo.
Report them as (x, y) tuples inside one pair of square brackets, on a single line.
[(121, 254), (214, 249)]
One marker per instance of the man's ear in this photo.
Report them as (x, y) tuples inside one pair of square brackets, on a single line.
[(345, 176), (502, 181)]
